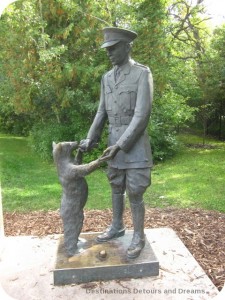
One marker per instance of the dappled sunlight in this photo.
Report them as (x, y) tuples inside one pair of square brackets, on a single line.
[(193, 179), (20, 192), (179, 176), (52, 187), (11, 137)]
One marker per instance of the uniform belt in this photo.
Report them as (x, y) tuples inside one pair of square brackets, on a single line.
[(119, 121)]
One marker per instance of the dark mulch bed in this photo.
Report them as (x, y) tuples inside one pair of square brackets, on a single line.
[(202, 146), (202, 232)]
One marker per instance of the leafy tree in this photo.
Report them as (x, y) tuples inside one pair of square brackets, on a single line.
[(171, 76), (190, 35), (54, 74), (213, 70)]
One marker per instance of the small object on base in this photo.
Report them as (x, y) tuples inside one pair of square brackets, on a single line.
[(102, 254)]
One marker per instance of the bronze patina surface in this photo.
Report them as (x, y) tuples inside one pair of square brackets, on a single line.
[(103, 261)]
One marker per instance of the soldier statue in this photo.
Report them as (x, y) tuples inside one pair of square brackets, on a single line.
[(125, 101)]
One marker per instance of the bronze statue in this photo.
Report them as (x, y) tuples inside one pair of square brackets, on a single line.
[(75, 190), (126, 100)]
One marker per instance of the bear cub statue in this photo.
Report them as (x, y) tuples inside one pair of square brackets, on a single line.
[(71, 175)]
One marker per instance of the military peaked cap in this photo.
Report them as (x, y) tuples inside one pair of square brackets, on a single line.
[(114, 35)]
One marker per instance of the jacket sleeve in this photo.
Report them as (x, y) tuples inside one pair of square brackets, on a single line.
[(95, 131), (142, 112)]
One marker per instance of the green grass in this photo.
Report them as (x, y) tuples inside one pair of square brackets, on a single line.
[(31, 184), (193, 178), (27, 183)]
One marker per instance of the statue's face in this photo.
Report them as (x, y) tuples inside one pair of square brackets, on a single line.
[(118, 53)]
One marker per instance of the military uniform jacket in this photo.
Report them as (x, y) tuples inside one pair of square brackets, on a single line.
[(126, 104)]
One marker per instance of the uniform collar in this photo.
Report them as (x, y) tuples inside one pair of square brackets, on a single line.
[(124, 69)]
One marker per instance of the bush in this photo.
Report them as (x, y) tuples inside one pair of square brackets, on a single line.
[(164, 143), (170, 112), (16, 124), (42, 136)]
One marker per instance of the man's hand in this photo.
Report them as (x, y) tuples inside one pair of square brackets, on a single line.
[(85, 145), (110, 153)]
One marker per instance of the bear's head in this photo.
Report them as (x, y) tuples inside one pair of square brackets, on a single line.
[(63, 150)]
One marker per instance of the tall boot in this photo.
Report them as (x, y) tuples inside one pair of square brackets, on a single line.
[(138, 240), (116, 229)]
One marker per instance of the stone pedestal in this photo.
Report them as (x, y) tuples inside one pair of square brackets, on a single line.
[(103, 261)]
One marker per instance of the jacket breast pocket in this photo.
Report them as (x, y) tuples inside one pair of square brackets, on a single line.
[(128, 96), (108, 98)]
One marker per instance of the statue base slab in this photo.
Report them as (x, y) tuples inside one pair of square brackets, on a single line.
[(96, 261)]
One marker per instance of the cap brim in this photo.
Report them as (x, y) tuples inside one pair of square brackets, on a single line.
[(109, 44)]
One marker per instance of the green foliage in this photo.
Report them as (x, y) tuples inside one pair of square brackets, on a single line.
[(152, 48), (213, 74), (17, 124), (170, 112), (52, 79), (43, 134)]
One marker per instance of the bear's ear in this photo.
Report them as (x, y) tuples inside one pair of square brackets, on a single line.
[(54, 145)]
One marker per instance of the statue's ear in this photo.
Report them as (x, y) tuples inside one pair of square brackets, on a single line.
[(54, 145)]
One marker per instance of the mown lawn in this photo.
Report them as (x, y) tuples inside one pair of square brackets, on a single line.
[(193, 178), (31, 184)]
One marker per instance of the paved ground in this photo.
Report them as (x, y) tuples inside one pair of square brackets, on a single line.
[(27, 262)]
